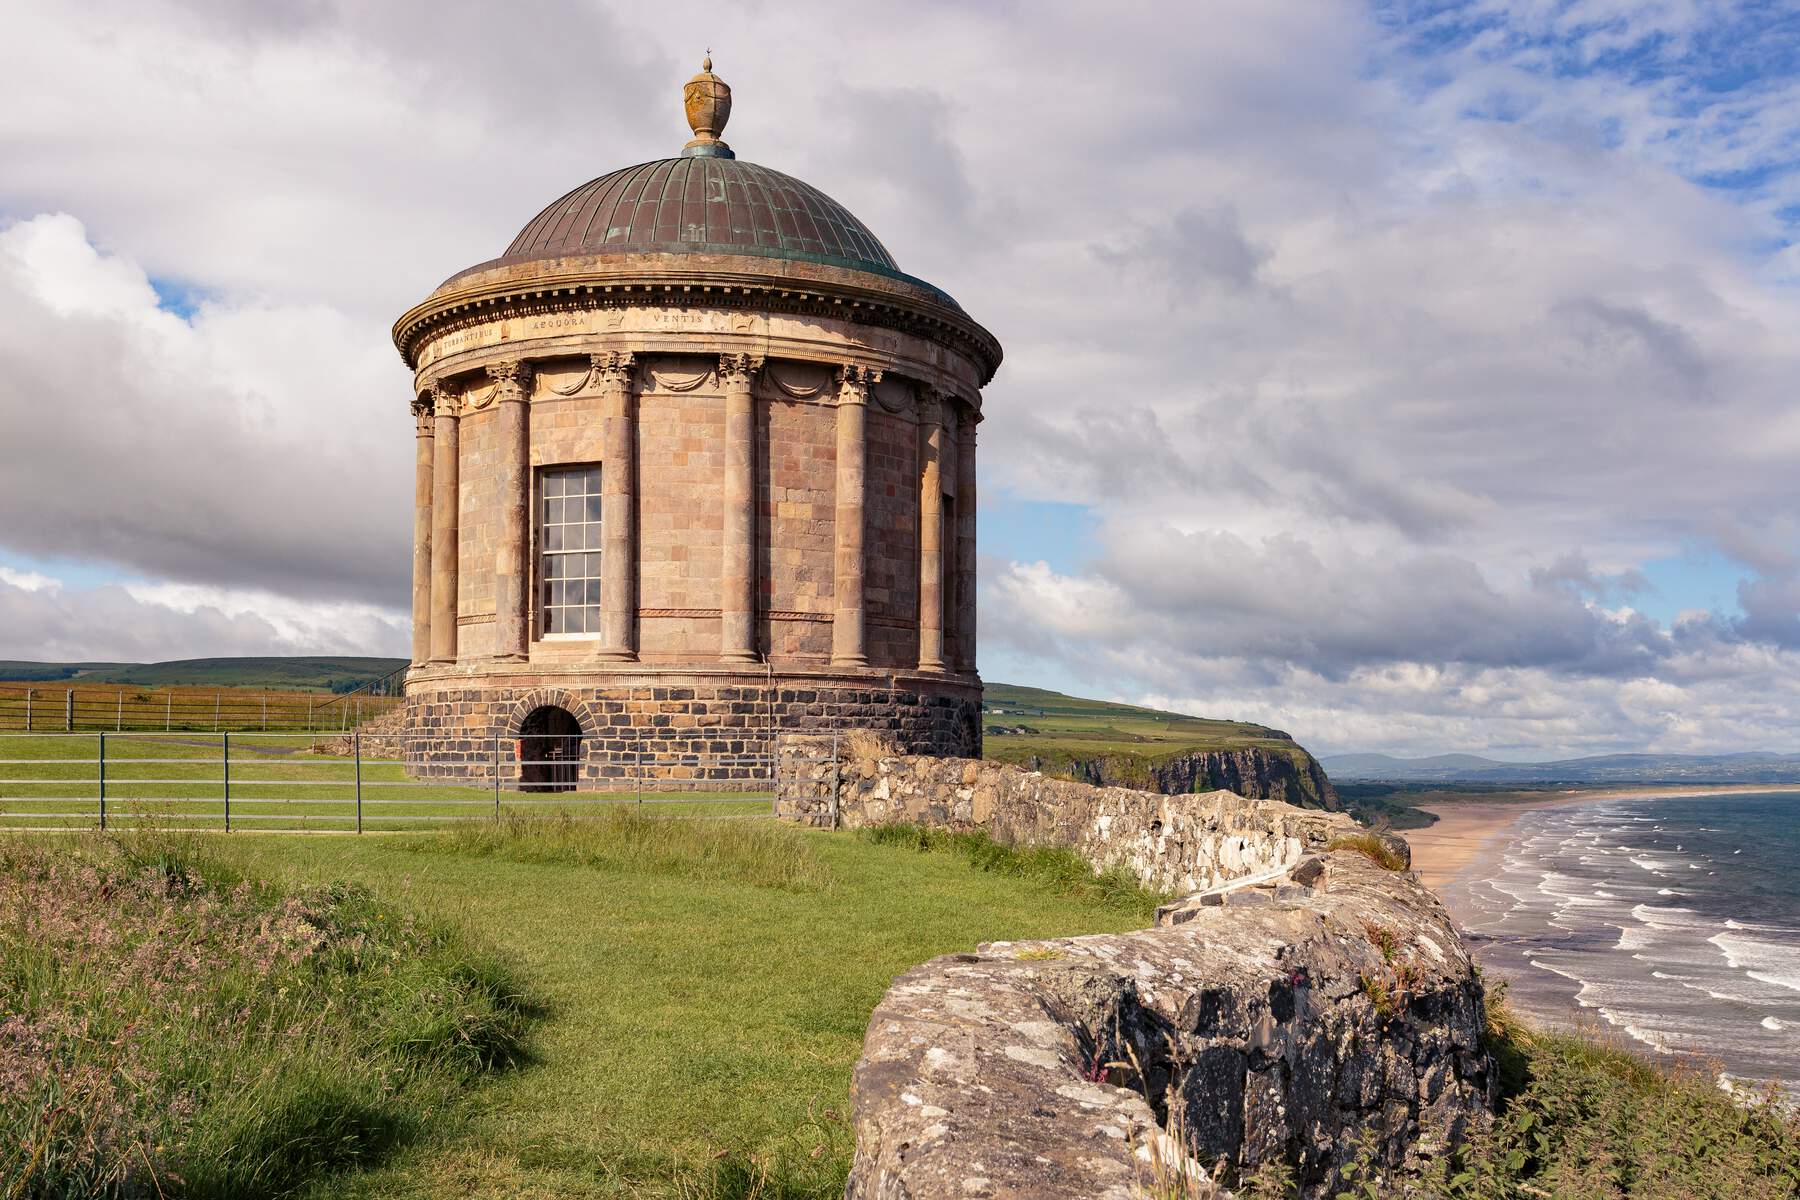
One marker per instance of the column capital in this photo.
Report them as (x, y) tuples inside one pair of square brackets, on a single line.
[(512, 380), (614, 369), (934, 404), (854, 383), (424, 423), (739, 370), (445, 401)]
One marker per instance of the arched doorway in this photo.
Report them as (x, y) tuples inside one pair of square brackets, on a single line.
[(549, 750)]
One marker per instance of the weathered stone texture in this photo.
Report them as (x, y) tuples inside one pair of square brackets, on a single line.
[(695, 730), (1251, 1033), (1183, 844)]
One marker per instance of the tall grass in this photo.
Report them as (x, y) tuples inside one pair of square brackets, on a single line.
[(169, 1028), (1060, 869), (1584, 1118), (624, 839)]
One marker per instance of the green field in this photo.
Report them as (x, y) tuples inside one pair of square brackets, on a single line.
[(277, 782), (698, 1033)]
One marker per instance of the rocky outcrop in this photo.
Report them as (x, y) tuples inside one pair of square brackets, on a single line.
[(1281, 1026), (1175, 843), (1292, 777)]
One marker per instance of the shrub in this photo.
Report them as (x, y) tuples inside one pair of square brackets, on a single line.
[(1373, 847), (622, 838), (174, 1029), (1583, 1117)]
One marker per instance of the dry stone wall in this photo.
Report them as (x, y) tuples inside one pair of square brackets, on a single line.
[(1181, 844)]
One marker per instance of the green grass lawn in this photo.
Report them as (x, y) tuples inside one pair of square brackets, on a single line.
[(698, 1033)]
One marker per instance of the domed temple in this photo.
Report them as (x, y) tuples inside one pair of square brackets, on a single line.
[(695, 465)]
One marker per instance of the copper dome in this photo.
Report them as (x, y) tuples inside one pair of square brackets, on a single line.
[(706, 205)]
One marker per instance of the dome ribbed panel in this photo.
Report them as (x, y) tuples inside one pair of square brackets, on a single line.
[(700, 204)]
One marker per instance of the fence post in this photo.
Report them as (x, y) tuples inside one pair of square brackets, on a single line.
[(168, 711), (215, 712), (309, 705), (836, 773), (27, 710), (356, 747), (225, 740), (69, 711), (103, 779), (119, 722), (265, 724), (496, 780)]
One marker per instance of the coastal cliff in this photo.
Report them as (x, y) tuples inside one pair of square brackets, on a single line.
[(1291, 776), (1123, 745)]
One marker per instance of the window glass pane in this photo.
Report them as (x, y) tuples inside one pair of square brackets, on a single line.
[(569, 565)]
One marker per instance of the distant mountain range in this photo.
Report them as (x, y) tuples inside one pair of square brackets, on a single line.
[(1753, 767)]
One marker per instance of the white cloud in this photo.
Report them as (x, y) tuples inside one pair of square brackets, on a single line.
[(1387, 346), (144, 624)]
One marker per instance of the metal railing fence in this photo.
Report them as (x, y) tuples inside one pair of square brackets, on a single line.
[(237, 780), (34, 708)]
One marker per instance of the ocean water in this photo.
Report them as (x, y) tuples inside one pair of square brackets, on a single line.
[(1673, 920)]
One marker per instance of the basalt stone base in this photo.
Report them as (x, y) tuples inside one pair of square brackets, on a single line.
[(706, 729)]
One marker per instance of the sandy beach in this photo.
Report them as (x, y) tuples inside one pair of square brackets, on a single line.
[(1467, 829)]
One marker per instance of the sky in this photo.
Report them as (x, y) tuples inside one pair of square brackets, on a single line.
[(1411, 377)]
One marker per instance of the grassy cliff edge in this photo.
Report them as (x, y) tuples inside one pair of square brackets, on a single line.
[(1121, 744)]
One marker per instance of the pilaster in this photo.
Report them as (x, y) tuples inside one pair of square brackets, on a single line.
[(849, 641), (512, 569), (737, 578), (616, 374), (445, 499)]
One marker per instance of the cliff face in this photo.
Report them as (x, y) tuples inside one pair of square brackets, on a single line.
[(1293, 777)]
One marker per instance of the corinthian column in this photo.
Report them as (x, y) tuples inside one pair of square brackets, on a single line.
[(965, 542), (616, 373), (737, 578), (849, 645), (511, 571), (444, 532), (421, 562), (931, 530)]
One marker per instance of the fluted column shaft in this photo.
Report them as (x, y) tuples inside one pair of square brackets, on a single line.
[(617, 376), (512, 572), (421, 560), (444, 526), (849, 644), (965, 544), (737, 578), (931, 532)]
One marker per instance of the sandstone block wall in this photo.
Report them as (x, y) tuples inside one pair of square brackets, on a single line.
[(1181, 844)]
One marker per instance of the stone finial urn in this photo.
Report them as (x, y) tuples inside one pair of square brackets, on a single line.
[(708, 108)]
